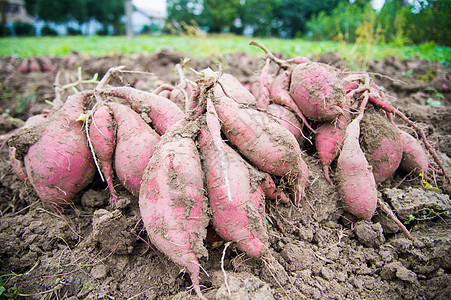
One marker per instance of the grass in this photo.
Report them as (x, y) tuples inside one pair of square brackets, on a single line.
[(200, 46)]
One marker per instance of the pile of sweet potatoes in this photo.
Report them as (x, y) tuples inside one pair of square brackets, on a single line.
[(210, 151)]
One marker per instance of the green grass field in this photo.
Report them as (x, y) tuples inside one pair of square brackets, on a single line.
[(212, 45)]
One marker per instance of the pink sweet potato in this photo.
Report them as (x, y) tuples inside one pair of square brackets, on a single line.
[(18, 165), (356, 183), (237, 206), (172, 202), (263, 97), (23, 67), (263, 141), (101, 134), (34, 65), (271, 191), (288, 120), (380, 141), (56, 156), (231, 87), (414, 157), (328, 142), (135, 144), (318, 91), (162, 112), (280, 94)]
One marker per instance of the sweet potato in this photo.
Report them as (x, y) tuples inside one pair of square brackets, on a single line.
[(34, 65), (237, 206), (288, 120), (23, 67), (18, 165), (318, 91), (414, 158), (263, 141), (135, 145), (101, 134), (172, 202), (56, 156), (263, 97), (271, 191), (356, 183), (162, 112), (329, 140), (380, 102), (380, 141), (228, 85), (280, 94)]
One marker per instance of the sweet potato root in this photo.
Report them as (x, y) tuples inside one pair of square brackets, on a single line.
[(288, 120), (172, 202), (18, 165), (414, 158), (135, 144), (328, 142), (380, 141), (356, 183), (231, 87), (318, 91), (237, 206), (56, 156), (101, 134), (262, 140), (163, 112)]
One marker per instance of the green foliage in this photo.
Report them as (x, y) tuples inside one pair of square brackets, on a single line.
[(219, 15), (23, 29), (183, 10), (426, 214), (47, 31), (204, 46), (107, 12), (261, 16), (294, 14), (73, 31), (7, 293), (347, 22)]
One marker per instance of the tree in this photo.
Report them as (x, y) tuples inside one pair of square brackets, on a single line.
[(184, 10), (218, 15), (295, 13), (107, 12), (30, 6), (61, 11), (261, 16)]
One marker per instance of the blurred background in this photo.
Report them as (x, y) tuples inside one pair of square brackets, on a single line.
[(394, 22)]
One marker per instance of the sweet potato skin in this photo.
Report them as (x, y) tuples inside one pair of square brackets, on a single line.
[(414, 157), (162, 112), (356, 183), (329, 140), (318, 91), (381, 143), (237, 206), (59, 164), (231, 87), (135, 144), (288, 120), (101, 134), (172, 202), (17, 164), (267, 144)]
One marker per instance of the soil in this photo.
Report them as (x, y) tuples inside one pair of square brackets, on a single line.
[(94, 251)]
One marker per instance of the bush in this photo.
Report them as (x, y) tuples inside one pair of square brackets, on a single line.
[(73, 31), (24, 29), (47, 31)]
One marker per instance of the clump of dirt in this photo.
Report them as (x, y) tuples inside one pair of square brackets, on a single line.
[(94, 251)]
